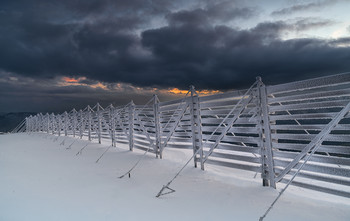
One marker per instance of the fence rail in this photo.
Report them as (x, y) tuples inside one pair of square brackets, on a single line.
[(271, 130)]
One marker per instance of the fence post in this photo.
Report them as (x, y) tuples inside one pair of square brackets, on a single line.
[(99, 122), (196, 127), (65, 123), (268, 172), (53, 125), (74, 113), (131, 125), (47, 122), (81, 123), (39, 122), (157, 126), (89, 122), (38, 125), (112, 120), (59, 124)]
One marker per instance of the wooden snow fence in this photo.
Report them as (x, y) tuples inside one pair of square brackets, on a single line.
[(271, 130)]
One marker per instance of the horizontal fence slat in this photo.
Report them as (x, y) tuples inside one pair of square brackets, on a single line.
[(315, 158), (309, 137), (311, 83), (309, 105), (320, 177), (234, 157), (234, 165), (318, 188), (323, 148), (336, 171)]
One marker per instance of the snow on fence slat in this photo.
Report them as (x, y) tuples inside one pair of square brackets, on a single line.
[(299, 111)]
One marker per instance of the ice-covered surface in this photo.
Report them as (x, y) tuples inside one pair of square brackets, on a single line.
[(42, 180)]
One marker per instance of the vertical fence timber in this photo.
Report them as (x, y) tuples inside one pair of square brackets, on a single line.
[(89, 122), (112, 123), (99, 123), (196, 127), (157, 126), (65, 123), (268, 173), (131, 125), (74, 113)]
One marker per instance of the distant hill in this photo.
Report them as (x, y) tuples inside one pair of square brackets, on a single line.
[(8, 121)]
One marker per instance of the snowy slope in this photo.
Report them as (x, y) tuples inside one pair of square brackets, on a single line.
[(42, 180)]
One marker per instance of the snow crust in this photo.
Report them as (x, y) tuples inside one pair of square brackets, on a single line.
[(42, 180)]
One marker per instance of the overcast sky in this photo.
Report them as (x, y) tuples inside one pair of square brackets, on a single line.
[(56, 55)]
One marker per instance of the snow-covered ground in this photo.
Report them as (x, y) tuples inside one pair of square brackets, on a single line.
[(42, 180)]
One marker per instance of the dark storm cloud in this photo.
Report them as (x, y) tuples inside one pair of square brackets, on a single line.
[(222, 12), (303, 7), (114, 41), (222, 57)]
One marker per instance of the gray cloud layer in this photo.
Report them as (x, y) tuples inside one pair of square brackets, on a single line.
[(303, 7), (161, 44)]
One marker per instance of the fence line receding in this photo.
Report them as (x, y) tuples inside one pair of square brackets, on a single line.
[(300, 127)]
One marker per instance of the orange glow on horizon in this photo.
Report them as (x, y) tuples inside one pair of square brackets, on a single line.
[(73, 80), (202, 92), (99, 85), (177, 91)]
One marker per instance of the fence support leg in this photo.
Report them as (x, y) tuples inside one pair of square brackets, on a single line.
[(157, 126), (196, 127), (59, 124), (89, 123), (74, 122), (112, 120), (268, 172), (131, 126), (99, 132), (65, 123), (82, 121), (53, 123)]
